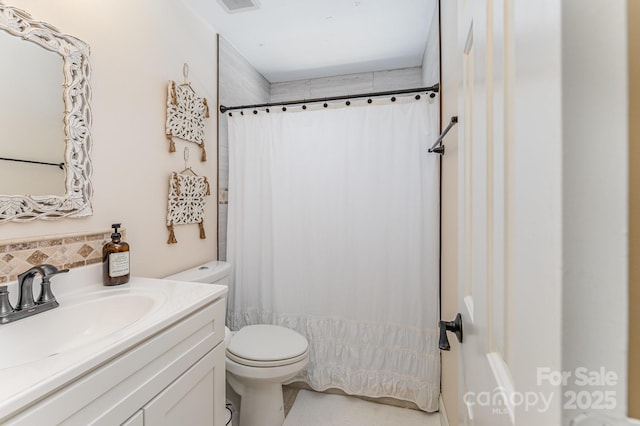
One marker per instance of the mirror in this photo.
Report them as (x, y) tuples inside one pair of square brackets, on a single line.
[(45, 121), (32, 95)]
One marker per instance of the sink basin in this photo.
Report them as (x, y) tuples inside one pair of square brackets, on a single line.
[(75, 323)]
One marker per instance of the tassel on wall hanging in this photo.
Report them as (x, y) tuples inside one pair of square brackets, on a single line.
[(186, 112), (186, 201)]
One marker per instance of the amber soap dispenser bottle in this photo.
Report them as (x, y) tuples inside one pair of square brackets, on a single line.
[(115, 259)]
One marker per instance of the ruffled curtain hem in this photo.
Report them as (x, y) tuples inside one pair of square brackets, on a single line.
[(369, 359)]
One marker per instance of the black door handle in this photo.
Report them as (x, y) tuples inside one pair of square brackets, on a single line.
[(455, 326)]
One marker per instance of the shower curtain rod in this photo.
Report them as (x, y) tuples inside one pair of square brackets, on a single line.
[(434, 88)]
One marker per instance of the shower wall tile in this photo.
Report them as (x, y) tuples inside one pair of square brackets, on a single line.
[(299, 89), (62, 251), (405, 78), (341, 85), (431, 57), (223, 153), (224, 171), (379, 81), (239, 84), (222, 226)]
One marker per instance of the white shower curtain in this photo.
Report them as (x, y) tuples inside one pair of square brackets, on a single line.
[(333, 231)]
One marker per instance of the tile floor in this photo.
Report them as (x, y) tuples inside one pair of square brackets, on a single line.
[(321, 409)]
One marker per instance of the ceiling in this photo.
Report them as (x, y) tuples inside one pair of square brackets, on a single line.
[(289, 40)]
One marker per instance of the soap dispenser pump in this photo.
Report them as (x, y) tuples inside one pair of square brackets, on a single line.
[(115, 259)]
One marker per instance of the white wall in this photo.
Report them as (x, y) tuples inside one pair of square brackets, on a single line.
[(136, 48), (633, 40), (533, 210), (594, 158)]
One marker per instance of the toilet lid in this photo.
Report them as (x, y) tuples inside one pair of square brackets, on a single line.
[(267, 345)]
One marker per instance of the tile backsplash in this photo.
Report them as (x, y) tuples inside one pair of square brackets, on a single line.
[(62, 251)]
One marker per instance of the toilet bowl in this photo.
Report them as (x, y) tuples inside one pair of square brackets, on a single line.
[(259, 358)]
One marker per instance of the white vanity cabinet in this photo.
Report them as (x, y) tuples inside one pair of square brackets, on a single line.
[(174, 377)]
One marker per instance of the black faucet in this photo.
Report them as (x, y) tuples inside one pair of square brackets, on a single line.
[(26, 305)]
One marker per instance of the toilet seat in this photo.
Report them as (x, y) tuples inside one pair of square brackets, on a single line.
[(267, 346)]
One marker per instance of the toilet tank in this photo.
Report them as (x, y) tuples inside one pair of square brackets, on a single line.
[(214, 272)]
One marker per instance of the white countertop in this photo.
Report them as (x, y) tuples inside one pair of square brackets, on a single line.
[(26, 381)]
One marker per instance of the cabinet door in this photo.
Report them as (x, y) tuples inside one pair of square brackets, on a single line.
[(197, 395)]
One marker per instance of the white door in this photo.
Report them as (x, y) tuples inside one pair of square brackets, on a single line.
[(495, 191), (534, 232), (486, 381)]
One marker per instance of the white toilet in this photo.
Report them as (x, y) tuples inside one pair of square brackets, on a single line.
[(259, 357)]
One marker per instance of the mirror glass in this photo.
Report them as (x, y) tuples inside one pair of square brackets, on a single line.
[(45, 121), (31, 119)]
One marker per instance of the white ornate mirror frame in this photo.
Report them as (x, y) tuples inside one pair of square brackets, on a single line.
[(76, 93)]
